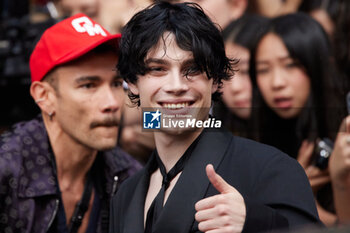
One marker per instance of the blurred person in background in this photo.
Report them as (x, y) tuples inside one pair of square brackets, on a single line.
[(110, 14), (325, 12), (341, 44), (115, 13), (221, 12), (22, 22), (59, 170), (90, 8), (234, 106), (273, 8), (299, 96), (132, 138)]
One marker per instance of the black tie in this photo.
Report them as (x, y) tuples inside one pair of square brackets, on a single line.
[(157, 204)]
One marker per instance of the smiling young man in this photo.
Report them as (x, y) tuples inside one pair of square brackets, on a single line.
[(197, 179), (59, 170)]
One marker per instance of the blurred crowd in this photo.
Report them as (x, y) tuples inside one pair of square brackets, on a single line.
[(289, 90)]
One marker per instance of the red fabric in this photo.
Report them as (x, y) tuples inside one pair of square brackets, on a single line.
[(63, 42)]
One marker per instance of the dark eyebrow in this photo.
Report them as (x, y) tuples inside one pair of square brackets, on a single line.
[(185, 63), (117, 76), (156, 60), (188, 62), (87, 78)]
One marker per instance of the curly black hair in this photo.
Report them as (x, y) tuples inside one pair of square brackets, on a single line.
[(193, 31)]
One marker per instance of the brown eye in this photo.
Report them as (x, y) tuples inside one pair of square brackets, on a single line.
[(88, 85), (192, 71), (156, 70), (117, 83)]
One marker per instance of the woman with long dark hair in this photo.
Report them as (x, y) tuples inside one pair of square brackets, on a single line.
[(292, 67)]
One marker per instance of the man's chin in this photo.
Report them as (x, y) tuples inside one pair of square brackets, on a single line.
[(105, 148), (177, 130), (106, 144)]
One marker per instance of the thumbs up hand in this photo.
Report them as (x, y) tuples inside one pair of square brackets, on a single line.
[(224, 212)]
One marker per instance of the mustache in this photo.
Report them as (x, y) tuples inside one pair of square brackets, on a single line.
[(105, 123)]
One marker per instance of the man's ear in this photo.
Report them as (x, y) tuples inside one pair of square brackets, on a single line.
[(214, 87), (133, 88), (238, 7), (44, 96)]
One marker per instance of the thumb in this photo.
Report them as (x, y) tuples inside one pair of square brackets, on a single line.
[(345, 125), (217, 181)]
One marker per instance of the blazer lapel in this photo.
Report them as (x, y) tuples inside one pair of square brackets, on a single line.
[(179, 211), (135, 212)]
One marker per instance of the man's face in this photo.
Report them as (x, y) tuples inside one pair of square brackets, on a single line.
[(173, 82), (88, 7), (88, 101)]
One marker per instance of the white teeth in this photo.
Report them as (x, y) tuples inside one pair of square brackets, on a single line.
[(176, 106)]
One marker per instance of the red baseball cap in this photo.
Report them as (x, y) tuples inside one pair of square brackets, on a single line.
[(66, 41)]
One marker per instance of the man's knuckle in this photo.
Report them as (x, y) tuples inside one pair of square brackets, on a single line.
[(227, 219), (221, 209)]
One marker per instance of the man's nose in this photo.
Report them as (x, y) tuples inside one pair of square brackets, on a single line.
[(176, 83), (111, 99)]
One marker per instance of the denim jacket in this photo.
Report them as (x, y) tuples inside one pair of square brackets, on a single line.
[(28, 183)]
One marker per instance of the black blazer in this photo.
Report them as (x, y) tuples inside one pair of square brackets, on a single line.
[(274, 186)]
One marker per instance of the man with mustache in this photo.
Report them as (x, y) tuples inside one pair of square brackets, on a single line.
[(59, 170)]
